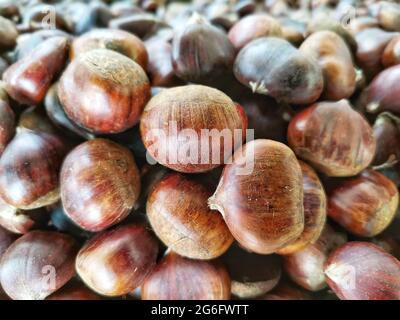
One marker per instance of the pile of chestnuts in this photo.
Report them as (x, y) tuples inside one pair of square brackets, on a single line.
[(229, 149)]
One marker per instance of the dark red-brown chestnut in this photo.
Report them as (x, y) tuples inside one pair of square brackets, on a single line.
[(179, 278), (104, 91), (114, 263), (391, 55), (260, 196), (74, 290), (337, 140), (287, 291), (7, 124), (100, 184), (363, 271), (178, 213), (37, 264)]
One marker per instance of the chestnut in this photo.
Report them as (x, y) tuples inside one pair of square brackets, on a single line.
[(182, 119), (337, 140), (252, 275), (117, 84), (267, 213), (363, 271), (365, 205), (314, 204), (196, 58), (29, 169), (336, 62), (306, 267), (388, 14), (382, 94), (252, 27), (179, 278), (115, 262), (391, 54), (8, 34), (100, 184), (361, 23), (7, 124), (390, 244), (34, 119), (274, 67), (178, 213), (117, 40), (74, 290), (293, 31), (287, 291), (37, 264), (28, 79)]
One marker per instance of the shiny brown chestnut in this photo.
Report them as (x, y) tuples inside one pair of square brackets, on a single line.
[(265, 180), (274, 67), (391, 54), (314, 203), (252, 275), (179, 278), (365, 205), (34, 119), (100, 184), (173, 120), (29, 169), (336, 62), (387, 13), (363, 271), (114, 263), (117, 84), (28, 79), (37, 264), (306, 267), (196, 58), (74, 290), (7, 124), (178, 213), (8, 34), (118, 40), (252, 27), (337, 140)]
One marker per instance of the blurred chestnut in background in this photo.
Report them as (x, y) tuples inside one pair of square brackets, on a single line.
[(103, 91), (74, 290), (391, 55), (293, 31), (336, 62), (196, 58), (252, 274), (314, 203), (178, 213), (179, 278), (114, 263), (29, 169), (383, 93), (28, 79), (358, 24), (336, 139), (8, 34), (7, 124), (274, 67), (37, 264), (100, 184), (172, 122), (387, 13), (265, 181), (364, 205), (363, 271), (306, 267), (252, 27), (117, 40)]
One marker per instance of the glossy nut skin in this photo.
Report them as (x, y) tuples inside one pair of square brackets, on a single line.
[(178, 213), (252, 27), (365, 205), (116, 40), (100, 184), (29, 169), (267, 213), (37, 264), (314, 204), (274, 67), (28, 79), (74, 291), (179, 278), (391, 55), (363, 271), (183, 108), (8, 34), (335, 59), (7, 124), (388, 14), (117, 84), (252, 274), (306, 267), (195, 57), (114, 263), (334, 138)]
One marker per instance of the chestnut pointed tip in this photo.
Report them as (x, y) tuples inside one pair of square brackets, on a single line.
[(373, 107), (258, 87)]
